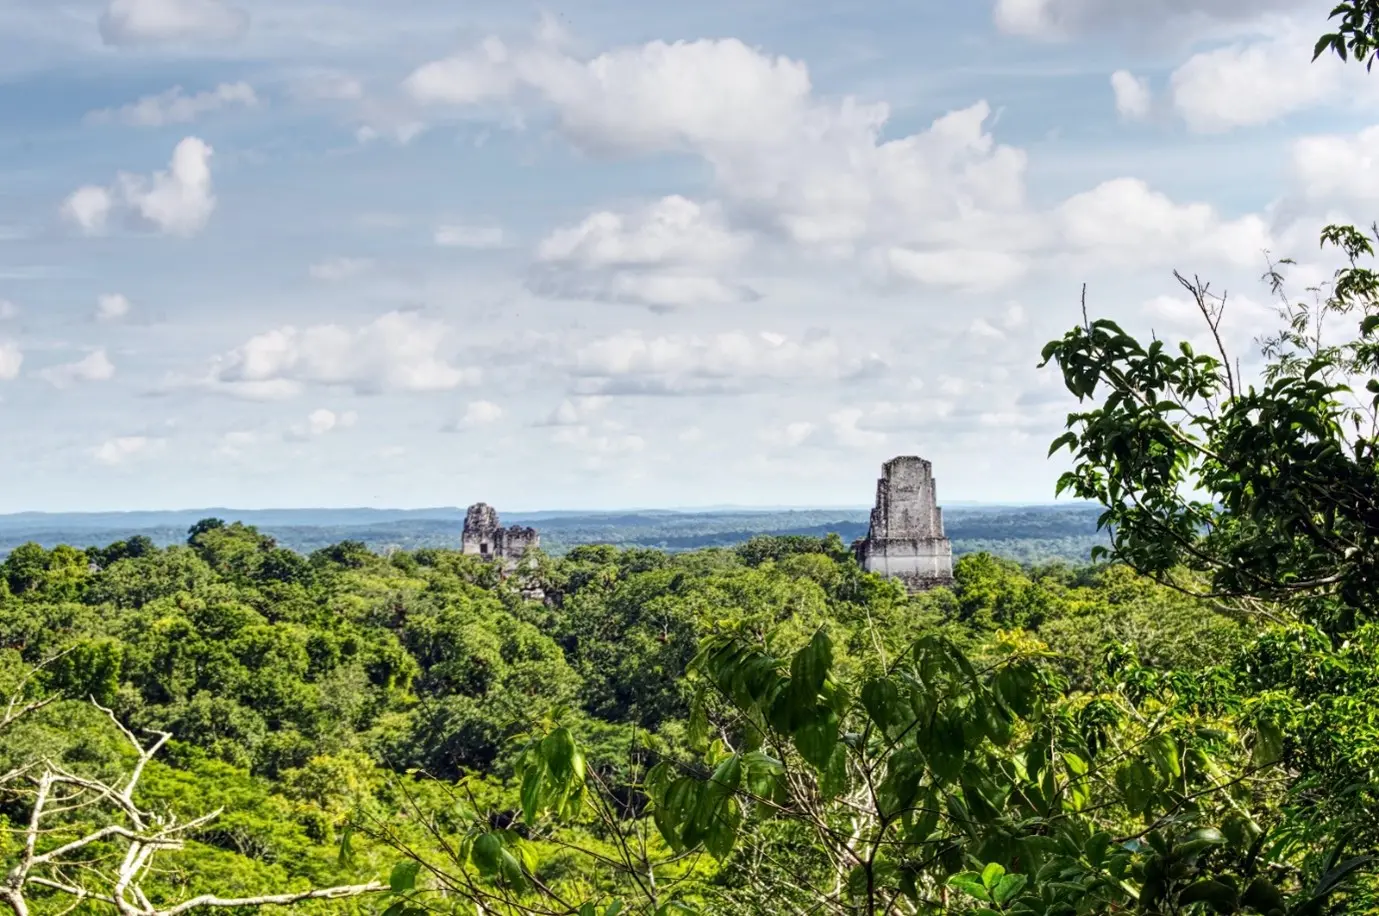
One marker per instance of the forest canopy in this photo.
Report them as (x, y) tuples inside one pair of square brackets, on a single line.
[(1185, 727)]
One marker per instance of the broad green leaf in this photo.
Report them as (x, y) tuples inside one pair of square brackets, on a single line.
[(404, 876), (816, 739), (1007, 888), (970, 883), (811, 664), (487, 854)]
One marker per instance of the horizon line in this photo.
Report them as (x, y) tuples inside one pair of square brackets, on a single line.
[(686, 509)]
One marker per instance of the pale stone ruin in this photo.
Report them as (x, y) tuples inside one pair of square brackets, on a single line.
[(906, 540), (485, 537)]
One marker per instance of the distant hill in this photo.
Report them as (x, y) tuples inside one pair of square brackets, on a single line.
[(1026, 533)]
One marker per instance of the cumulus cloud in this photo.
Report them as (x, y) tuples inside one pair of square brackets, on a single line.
[(1249, 84), (89, 208), (147, 22), (11, 360), (663, 256), (1339, 167), (944, 206), (321, 421), (125, 448), (849, 434), (972, 269), (338, 269), (177, 201), (94, 367), (813, 169), (481, 413), (112, 307), (458, 236), (176, 107), (1132, 95), (1125, 221), (399, 351)]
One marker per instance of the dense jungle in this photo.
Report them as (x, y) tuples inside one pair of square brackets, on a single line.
[(1186, 725)]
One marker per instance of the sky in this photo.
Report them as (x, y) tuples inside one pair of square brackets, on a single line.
[(599, 254)]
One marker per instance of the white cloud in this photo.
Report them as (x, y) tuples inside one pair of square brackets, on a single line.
[(144, 22), (399, 351), (457, 236), (11, 360), (112, 306), (663, 256), (814, 169), (791, 435), (1124, 221), (8, 310), (321, 421), (481, 413), (575, 411), (1133, 96), (849, 434), (94, 367), (176, 202), (1014, 317), (1248, 84), (176, 107), (633, 362), (89, 207), (125, 448), (598, 444), (1339, 167), (339, 269), (964, 269)]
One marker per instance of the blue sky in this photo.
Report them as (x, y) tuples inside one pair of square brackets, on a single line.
[(600, 254)]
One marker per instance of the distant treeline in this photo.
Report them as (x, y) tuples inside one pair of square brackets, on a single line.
[(1026, 534)]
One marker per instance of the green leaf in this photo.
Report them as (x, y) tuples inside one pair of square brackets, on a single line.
[(834, 779), (810, 665), (1198, 840), (992, 874), (970, 883), (531, 792), (487, 854), (1215, 894), (614, 908), (1007, 888), (816, 739), (404, 876)]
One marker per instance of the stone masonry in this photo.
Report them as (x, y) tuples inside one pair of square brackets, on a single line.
[(485, 537), (906, 540)]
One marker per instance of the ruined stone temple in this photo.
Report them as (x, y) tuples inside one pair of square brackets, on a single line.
[(906, 540), (483, 535)]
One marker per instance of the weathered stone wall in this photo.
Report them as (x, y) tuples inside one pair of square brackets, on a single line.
[(905, 540), (483, 536)]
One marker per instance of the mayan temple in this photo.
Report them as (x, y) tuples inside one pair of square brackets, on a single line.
[(483, 535), (906, 540)]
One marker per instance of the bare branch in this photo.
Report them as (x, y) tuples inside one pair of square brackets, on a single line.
[(145, 834)]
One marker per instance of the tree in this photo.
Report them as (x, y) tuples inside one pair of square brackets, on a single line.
[(1357, 32), (86, 838)]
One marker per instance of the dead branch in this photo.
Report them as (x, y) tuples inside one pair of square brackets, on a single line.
[(144, 835)]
